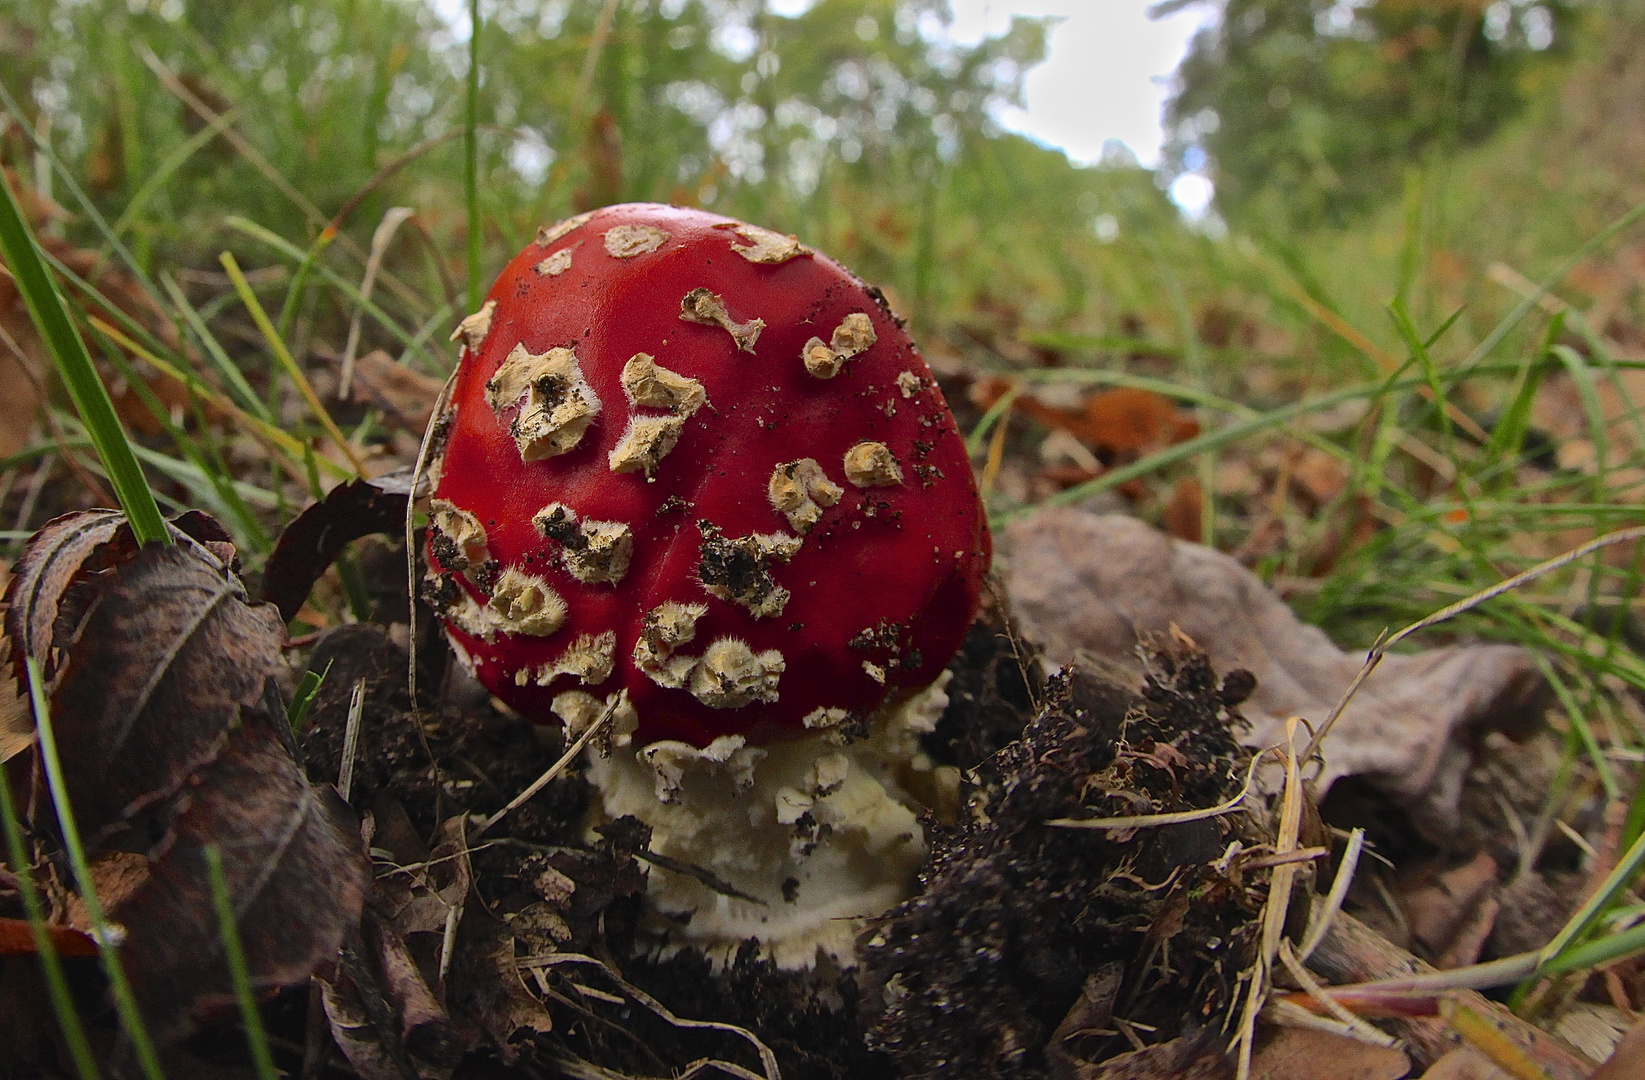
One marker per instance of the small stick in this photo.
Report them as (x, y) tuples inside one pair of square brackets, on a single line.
[(351, 739), (553, 770)]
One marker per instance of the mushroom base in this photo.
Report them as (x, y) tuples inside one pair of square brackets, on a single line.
[(814, 838)]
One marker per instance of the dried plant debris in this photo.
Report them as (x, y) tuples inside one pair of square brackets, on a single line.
[(485, 759), (1086, 585), (520, 946), (543, 971), (382, 1008), (173, 737), (956, 982), (405, 395), (315, 537)]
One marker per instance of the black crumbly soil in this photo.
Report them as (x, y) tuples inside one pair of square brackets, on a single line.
[(485, 757), (1025, 939), (1017, 917), (992, 687)]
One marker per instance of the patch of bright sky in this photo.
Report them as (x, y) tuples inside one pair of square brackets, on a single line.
[(1106, 77)]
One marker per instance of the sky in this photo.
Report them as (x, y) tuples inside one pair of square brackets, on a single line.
[(1107, 75)]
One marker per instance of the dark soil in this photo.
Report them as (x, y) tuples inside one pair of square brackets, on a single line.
[(1023, 932)]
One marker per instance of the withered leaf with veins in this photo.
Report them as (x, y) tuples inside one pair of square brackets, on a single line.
[(173, 737)]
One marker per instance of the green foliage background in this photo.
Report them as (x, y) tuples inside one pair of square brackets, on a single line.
[(1417, 145), (845, 124), (1312, 110)]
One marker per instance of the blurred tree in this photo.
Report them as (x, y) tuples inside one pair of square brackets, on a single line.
[(857, 123), (1308, 112)]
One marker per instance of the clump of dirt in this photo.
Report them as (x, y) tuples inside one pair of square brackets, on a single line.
[(1020, 921)]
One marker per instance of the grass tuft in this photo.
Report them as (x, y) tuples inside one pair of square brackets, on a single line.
[(79, 375)]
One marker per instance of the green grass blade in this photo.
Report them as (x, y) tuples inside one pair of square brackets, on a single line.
[(233, 377), (1612, 887), (248, 531), (1523, 308), (87, 206), (163, 172), (471, 156), (1579, 724), (74, 365), (299, 281), (350, 290), (287, 361), (257, 427), (125, 1002), (1600, 951), (229, 931), (303, 700), (186, 473), (62, 1002)]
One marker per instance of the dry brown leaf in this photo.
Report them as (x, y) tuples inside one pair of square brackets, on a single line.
[(315, 537), (1464, 1063), (1183, 510), (382, 1011), (406, 397), (420, 899), (1191, 1057), (17, 939), (488, 988), (116, 875), (173, 738), (1305, 1054), (1317, 476), (16, 723), (1092, 1012), (165, 657), (292, 867), (1095, 584), (1119, 424), (1452, 916), (55, 554)]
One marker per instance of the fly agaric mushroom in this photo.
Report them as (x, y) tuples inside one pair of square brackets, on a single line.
[(696, 475)]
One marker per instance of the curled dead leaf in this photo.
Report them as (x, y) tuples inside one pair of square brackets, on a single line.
[(161, 677), (318, 535)]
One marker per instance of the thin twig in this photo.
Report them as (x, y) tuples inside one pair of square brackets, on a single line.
[(767, 1059), (1277, 906), (1363, 1031), (351, 739), (380, 239), (1384, 643), (553, 770)]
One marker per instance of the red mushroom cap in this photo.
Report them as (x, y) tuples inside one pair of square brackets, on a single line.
[(694, 460)]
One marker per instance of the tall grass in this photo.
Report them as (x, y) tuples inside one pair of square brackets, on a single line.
[(75, 368)]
